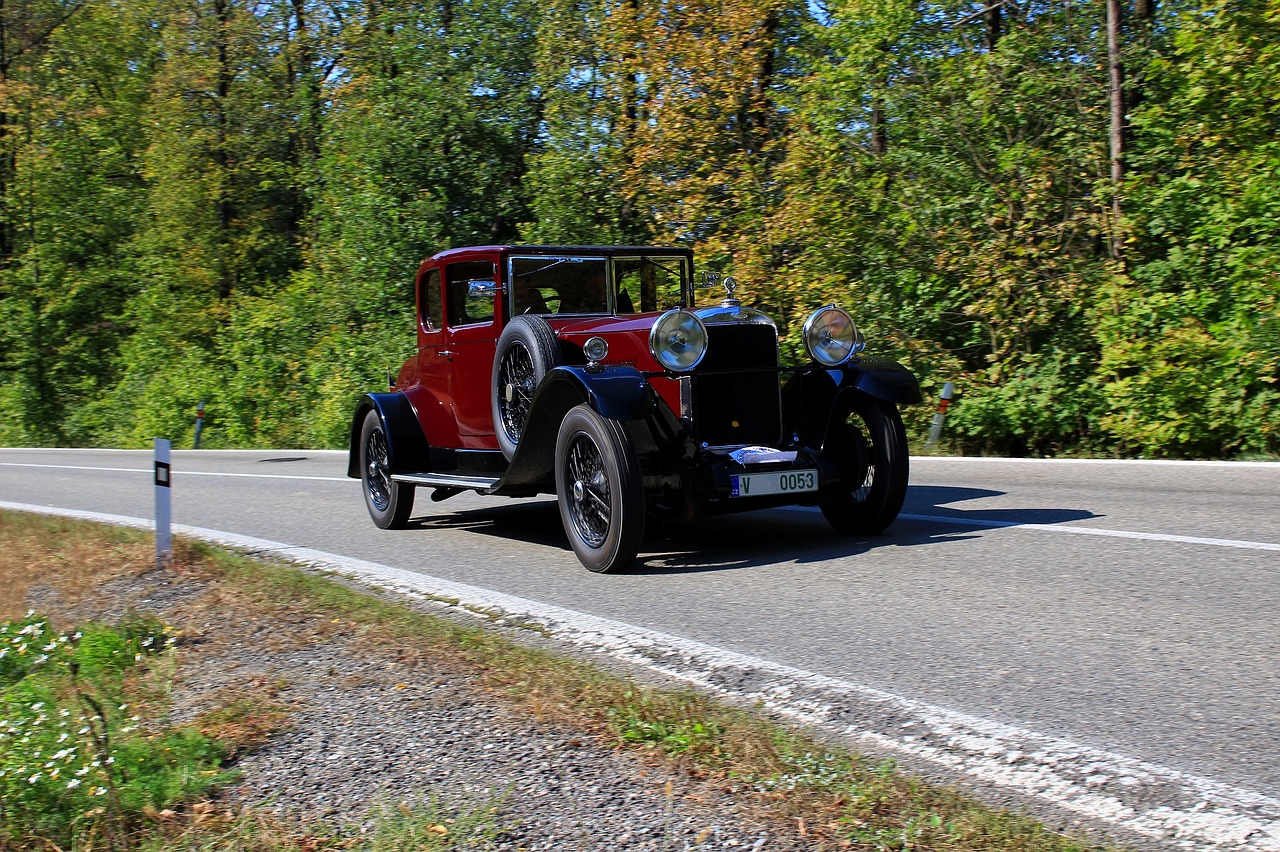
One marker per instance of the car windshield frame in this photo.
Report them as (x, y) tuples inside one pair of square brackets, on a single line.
[(659, 260)]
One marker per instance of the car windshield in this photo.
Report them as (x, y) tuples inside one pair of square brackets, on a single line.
[(558, 285), (649, 283)]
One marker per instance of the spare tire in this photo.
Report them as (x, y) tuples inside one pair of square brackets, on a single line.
[(526, 350)]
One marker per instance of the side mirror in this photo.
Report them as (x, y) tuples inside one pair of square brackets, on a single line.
[(483, 287), (709, 280)]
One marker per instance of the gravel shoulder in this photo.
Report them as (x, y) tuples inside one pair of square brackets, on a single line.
[(339, 726)]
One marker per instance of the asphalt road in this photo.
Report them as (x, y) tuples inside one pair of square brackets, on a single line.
[(1127, 606)]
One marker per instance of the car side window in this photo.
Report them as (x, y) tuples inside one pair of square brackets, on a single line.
[(463, 308), (432, 305)]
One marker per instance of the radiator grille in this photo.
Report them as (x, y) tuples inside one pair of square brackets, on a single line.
[(743, 406)]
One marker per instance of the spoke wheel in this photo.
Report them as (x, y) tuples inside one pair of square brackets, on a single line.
[(389, 502), (517, 380), (868, 445), (526, 350), (599, 490)]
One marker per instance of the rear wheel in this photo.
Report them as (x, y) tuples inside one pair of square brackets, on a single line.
[(868, 445), (600, 492), (390, 503)]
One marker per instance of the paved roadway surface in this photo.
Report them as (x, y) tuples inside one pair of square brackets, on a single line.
[(1127, 606)]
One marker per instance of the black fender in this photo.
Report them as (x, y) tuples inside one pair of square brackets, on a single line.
[(882, 378), (617, 392), (406, 444), (809, 396)]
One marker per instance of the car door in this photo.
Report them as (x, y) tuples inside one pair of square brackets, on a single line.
[(429, 388), (472, 339)]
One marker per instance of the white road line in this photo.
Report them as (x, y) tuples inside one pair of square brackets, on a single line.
[(1073, 530), (1177, 809), (191, 452), (1275, 466), (178, 474), (937, 519), (976, 523)]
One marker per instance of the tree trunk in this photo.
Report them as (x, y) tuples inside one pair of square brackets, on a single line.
[(879, 133), (629, 224), (1116, 129), (1144, 15), (762, 113), (8, 163), (993, 19), (221, 154), (310, 110)]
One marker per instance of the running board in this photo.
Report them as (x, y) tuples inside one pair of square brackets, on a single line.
[(446, 480)]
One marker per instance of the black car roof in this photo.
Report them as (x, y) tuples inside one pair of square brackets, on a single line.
[(558, 250)]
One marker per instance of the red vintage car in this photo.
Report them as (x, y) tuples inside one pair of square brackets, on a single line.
[(591, 373)]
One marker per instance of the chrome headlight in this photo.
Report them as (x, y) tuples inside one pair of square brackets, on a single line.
[(830, 336), (596, 349), (678, 340)]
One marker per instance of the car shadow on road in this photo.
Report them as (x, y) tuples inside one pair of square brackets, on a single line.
[(535, 522), (800, 535), (936, 500), (791, 535)]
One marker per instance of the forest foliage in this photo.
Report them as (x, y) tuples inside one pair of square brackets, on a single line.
[(1068, 208)]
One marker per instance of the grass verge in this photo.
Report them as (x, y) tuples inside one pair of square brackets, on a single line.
[(827, 795)]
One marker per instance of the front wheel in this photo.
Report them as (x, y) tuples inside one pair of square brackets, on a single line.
[(600, 492), (868, 445), (389, 502)]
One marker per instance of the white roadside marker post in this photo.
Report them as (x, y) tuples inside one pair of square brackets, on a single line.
[(164, 538), (935, 429), (199, 423)]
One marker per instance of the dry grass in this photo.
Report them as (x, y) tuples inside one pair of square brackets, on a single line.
[(56, 554), (245, 715), (832, 799)]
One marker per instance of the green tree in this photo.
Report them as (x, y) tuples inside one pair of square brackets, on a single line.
[(1191, 363), (949, 179), (73, 202)]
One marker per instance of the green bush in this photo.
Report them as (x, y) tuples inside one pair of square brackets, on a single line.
[(76, 759)]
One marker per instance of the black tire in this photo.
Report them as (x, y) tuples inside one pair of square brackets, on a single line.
[(389, 503), (868, 445), (527, 349), (599, 489)]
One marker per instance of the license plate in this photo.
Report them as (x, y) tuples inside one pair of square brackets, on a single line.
[(774, 482)]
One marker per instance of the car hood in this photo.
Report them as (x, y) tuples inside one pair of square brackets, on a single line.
[(574, 327)]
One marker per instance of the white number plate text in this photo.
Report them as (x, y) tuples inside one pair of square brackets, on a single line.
[(775, 482)]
